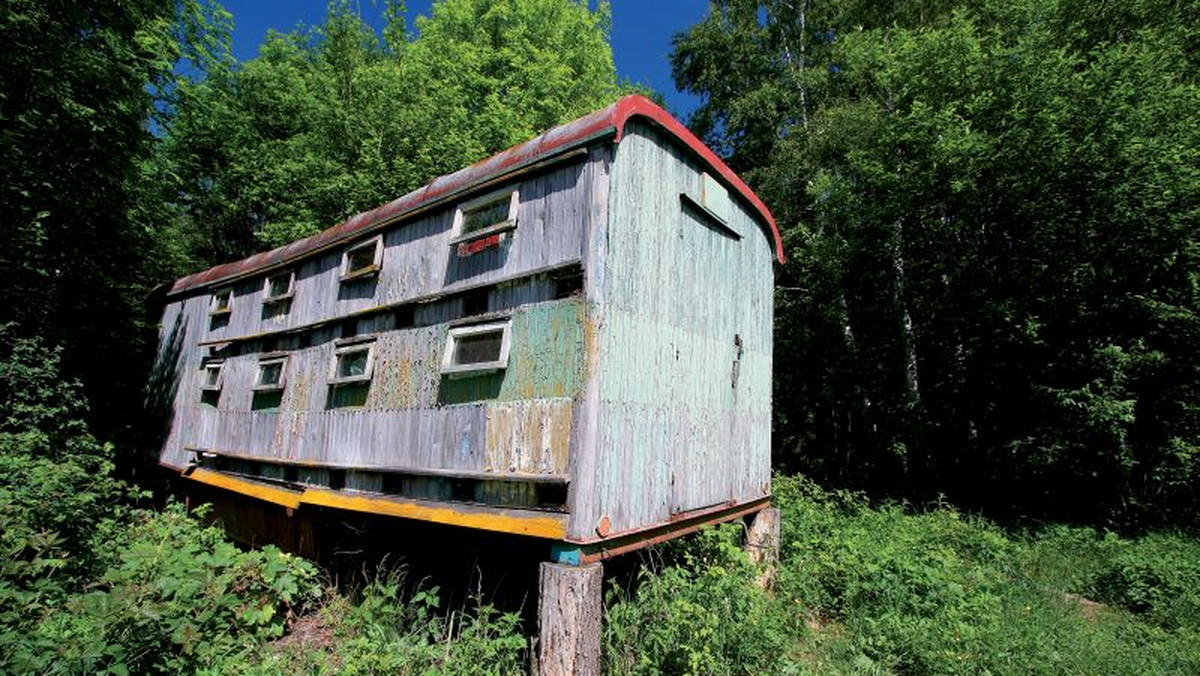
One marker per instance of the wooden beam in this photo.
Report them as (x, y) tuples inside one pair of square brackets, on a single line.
[(569, 610), (531, 523)]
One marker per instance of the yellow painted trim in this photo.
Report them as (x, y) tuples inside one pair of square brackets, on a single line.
[(544, 526), (278, 496), (503, 521)]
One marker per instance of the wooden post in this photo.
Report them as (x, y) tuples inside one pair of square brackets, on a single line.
[(762, 543), (570, 605)]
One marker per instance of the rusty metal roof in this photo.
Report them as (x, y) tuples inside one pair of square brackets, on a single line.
[(610, 120)]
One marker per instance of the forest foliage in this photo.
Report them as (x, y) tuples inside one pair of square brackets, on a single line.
[(991, 213), (331, 120)]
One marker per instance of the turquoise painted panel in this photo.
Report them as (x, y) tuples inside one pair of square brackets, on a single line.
[(684, 347)]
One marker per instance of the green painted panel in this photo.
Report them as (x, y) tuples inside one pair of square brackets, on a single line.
[(545, 358)]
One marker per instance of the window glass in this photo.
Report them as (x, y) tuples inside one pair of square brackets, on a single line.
[(211, 379), (486, 215), (222, 300), (270, 373), (352, 364), (279, 285), (362, 258), (478, 348)]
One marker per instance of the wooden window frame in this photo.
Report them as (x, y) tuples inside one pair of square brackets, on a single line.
[(204, 368), (213, 310), (372, 269), (346, 349), (457, 236), (268, 298), (259, 386), (450, 368)]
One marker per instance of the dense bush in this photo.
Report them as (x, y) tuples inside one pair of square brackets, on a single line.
[(889, 589), (700, 613), (57, 496), (388, 628), (89, 583), (180, 597), (1156, 576)]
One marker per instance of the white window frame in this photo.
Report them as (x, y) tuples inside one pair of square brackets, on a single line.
[(268, 298), (212, 303), (452, 336), (346, 349), (220, 368), (457, 236), (373, 268), (259, 386)]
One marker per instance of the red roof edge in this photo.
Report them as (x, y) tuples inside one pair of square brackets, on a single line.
[(640, 106), (558, 139)]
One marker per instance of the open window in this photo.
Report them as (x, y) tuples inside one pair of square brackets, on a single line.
[(363, 259), (712, 206), (269, 382), (222, 302), (278, 287), (271, 372), (350, 374), (483, 221), (482, 348), (352, 364), (211, 380)]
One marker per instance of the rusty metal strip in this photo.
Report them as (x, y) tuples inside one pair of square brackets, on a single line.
[(599, 551)]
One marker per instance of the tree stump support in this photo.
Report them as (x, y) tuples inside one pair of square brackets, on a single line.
[(570, 606), (762, 542)]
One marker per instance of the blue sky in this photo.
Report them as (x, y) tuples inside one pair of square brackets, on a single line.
[(641, 35)]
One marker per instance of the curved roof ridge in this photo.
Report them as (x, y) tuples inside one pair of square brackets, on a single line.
[(559, 139)]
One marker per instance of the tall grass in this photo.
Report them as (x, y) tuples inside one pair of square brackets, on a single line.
[(893, 590)]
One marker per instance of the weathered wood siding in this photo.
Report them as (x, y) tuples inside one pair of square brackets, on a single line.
[(418, 259), (669, 432), (517, 421)]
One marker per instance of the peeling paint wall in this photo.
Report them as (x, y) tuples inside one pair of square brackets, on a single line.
[(515, 421), (676, 299)]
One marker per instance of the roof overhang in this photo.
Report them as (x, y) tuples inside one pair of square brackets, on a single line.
[(606, 123)]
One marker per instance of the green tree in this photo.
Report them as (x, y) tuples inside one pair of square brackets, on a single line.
[(333, 120), (991, 210), (79, 242)]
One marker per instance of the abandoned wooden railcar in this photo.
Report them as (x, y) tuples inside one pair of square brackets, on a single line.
[(570, 340)]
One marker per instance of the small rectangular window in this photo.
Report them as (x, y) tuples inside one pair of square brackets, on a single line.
[(352, 363), (484, 218), (476, 349), (278, 287), (362, 259), (211, 379), (222, 302), (270, 374)]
